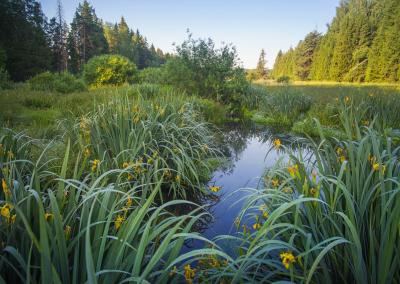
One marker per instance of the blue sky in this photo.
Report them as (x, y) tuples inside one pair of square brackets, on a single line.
[(249, 25)]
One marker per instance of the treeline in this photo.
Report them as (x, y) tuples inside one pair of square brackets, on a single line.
[(31, 44), (362, 44)]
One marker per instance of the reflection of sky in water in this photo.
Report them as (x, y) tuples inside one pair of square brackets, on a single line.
[(247, 171)]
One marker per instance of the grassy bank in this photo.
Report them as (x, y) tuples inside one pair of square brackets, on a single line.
[(294, 107)]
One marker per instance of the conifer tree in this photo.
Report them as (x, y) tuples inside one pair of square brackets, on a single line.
[(86, 38), (260, 70)]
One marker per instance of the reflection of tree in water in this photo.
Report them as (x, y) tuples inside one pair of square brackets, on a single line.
[(234, 138)]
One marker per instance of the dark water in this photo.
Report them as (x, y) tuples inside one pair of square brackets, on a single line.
[(250, 152)]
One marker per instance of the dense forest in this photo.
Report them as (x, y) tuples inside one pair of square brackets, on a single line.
[(362, 44), (33, 44)]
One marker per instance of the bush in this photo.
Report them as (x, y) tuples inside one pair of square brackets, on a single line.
[(54, 82), (201, 69), (283, 80), (5, 82), (112, 70), (151, 75)]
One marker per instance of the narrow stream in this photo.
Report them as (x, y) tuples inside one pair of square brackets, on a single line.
[(251, 152)]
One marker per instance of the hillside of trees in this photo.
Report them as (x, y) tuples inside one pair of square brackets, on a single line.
[(362, 44), (33, 44)]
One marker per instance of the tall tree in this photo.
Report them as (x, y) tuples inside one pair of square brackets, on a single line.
[(86, 38), (305, 55), (58, 32), (23, 38), (261, 70)]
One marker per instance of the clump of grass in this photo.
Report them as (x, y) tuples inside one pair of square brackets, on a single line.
[(56, 82), (283, 108), (158, 139), (336, 210), (77, 226)]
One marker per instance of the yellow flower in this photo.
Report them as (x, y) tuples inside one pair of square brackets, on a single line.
[(371, 159), (118, 222), (67, 232), (376, 166), (277, 143), (4, 185), (293, 170), (342, 159), (125, 165), (178, 179), (87, 152), (287, 190), (287, 259), (265, 214), (256, 226), (347, 99), (339, 151), (12, 219), (215, 188), (136, 119), (275, 182), (189, 274), (313, 192), (95, 165), (167, 173), (48, 216), (129, 202), (6, 209)]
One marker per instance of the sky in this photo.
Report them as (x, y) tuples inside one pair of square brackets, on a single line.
[(249, 25)]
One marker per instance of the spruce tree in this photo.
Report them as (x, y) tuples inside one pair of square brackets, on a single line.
[(260, 70), (86, 38)]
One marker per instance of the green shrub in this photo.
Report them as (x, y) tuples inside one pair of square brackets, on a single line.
[(5, 82), (56, 82), (283, 80), (151, 75), (201, 69), (112, 70)]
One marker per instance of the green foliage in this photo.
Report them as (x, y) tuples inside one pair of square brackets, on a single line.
[(307, 221), (152, 75), (260, 70), (86, 37), (23, 39), (56, 82), (5, 82), (112, 70), (283, 79), (124, 41), (201, 69), (82, 226), (361, 45)]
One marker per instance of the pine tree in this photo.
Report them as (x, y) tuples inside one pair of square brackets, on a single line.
[(305, 55), (23, 37), (58, 32), (260, 70), (86, 38)]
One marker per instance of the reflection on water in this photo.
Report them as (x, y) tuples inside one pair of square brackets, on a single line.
[(246, 147)]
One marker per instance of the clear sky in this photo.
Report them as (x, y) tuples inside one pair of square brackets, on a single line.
[(250, 25)]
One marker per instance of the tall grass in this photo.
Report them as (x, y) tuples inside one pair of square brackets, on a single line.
[(332, 218), (74, 227)]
